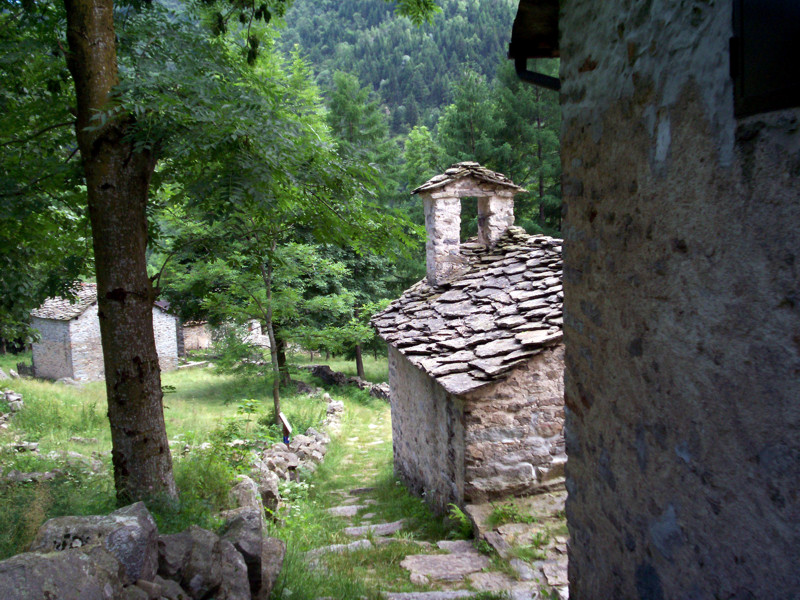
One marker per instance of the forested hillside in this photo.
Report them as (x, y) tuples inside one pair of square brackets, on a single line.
[(413, 69)]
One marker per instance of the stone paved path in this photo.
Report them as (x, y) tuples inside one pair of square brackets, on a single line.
[(526, 561)]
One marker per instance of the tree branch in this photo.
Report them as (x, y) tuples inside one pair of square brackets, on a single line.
[(36, 134)]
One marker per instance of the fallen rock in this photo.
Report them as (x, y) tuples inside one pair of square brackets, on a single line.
[(523, 570), (13, 374), (335, 406), (268, 489), (272, 555), (171, 590), (68, 575), (245, 530), (26, 446), (381, 391), (456, 546), (129, 534), (3, 375)]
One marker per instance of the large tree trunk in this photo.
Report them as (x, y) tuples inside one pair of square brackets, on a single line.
[(117, 180)]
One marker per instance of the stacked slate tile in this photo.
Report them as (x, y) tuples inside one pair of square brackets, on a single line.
[(501, 310)]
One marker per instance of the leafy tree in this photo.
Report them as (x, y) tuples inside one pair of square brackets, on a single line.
[(43, 226), (164, 95)]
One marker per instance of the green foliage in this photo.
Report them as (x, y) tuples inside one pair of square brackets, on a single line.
[(47, 415), (204, 479), (24, 507), (508, 512), (44, 240), (463, 523), (411, 67)]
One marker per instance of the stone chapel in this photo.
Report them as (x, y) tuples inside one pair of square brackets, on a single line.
[(475, 351)]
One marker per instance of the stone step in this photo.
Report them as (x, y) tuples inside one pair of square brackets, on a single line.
[(444, 567), (449, 595), (338, 548), (377, 529), (347, 510)]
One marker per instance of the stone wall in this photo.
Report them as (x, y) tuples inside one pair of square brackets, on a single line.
[(85, 346), (682, 311), (514, 431), (501, 440), (196, 337), (164, 329), (427, 433), (51, 357)]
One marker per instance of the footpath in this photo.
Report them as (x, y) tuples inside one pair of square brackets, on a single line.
[(399, 551)]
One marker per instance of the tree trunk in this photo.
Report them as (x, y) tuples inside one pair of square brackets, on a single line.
[(282, 366), (359, 362), (117, 181), (266, 275)]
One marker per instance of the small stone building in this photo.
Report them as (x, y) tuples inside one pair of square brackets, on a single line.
[(69, 344), (475, 353)]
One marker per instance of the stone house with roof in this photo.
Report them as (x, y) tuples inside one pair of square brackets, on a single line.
[(69, 344), (476, 359)]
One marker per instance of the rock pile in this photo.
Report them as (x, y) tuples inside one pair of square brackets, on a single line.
[(15, 404), (331, 377), (282, 462), (122, 555)]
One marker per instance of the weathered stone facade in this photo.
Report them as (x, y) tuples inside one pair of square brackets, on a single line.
[(70, 346), (681, 317), (502, 440), (514, 441), (196, 336)]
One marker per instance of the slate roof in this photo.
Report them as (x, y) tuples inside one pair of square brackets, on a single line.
[(62, 309), (465, 169), (505, 308)]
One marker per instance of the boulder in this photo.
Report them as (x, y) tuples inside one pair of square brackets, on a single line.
[(268, 490), (128, 534), (335, 406), (300, 441), (272, 554), (204, 565), (322, 438), (171, 590), (245, 493), (245, 530), (79, 574), (3, 375)]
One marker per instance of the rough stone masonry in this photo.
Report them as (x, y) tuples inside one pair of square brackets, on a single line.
[(681, 316)]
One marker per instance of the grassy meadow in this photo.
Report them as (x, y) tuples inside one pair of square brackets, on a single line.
[(206, 406)]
